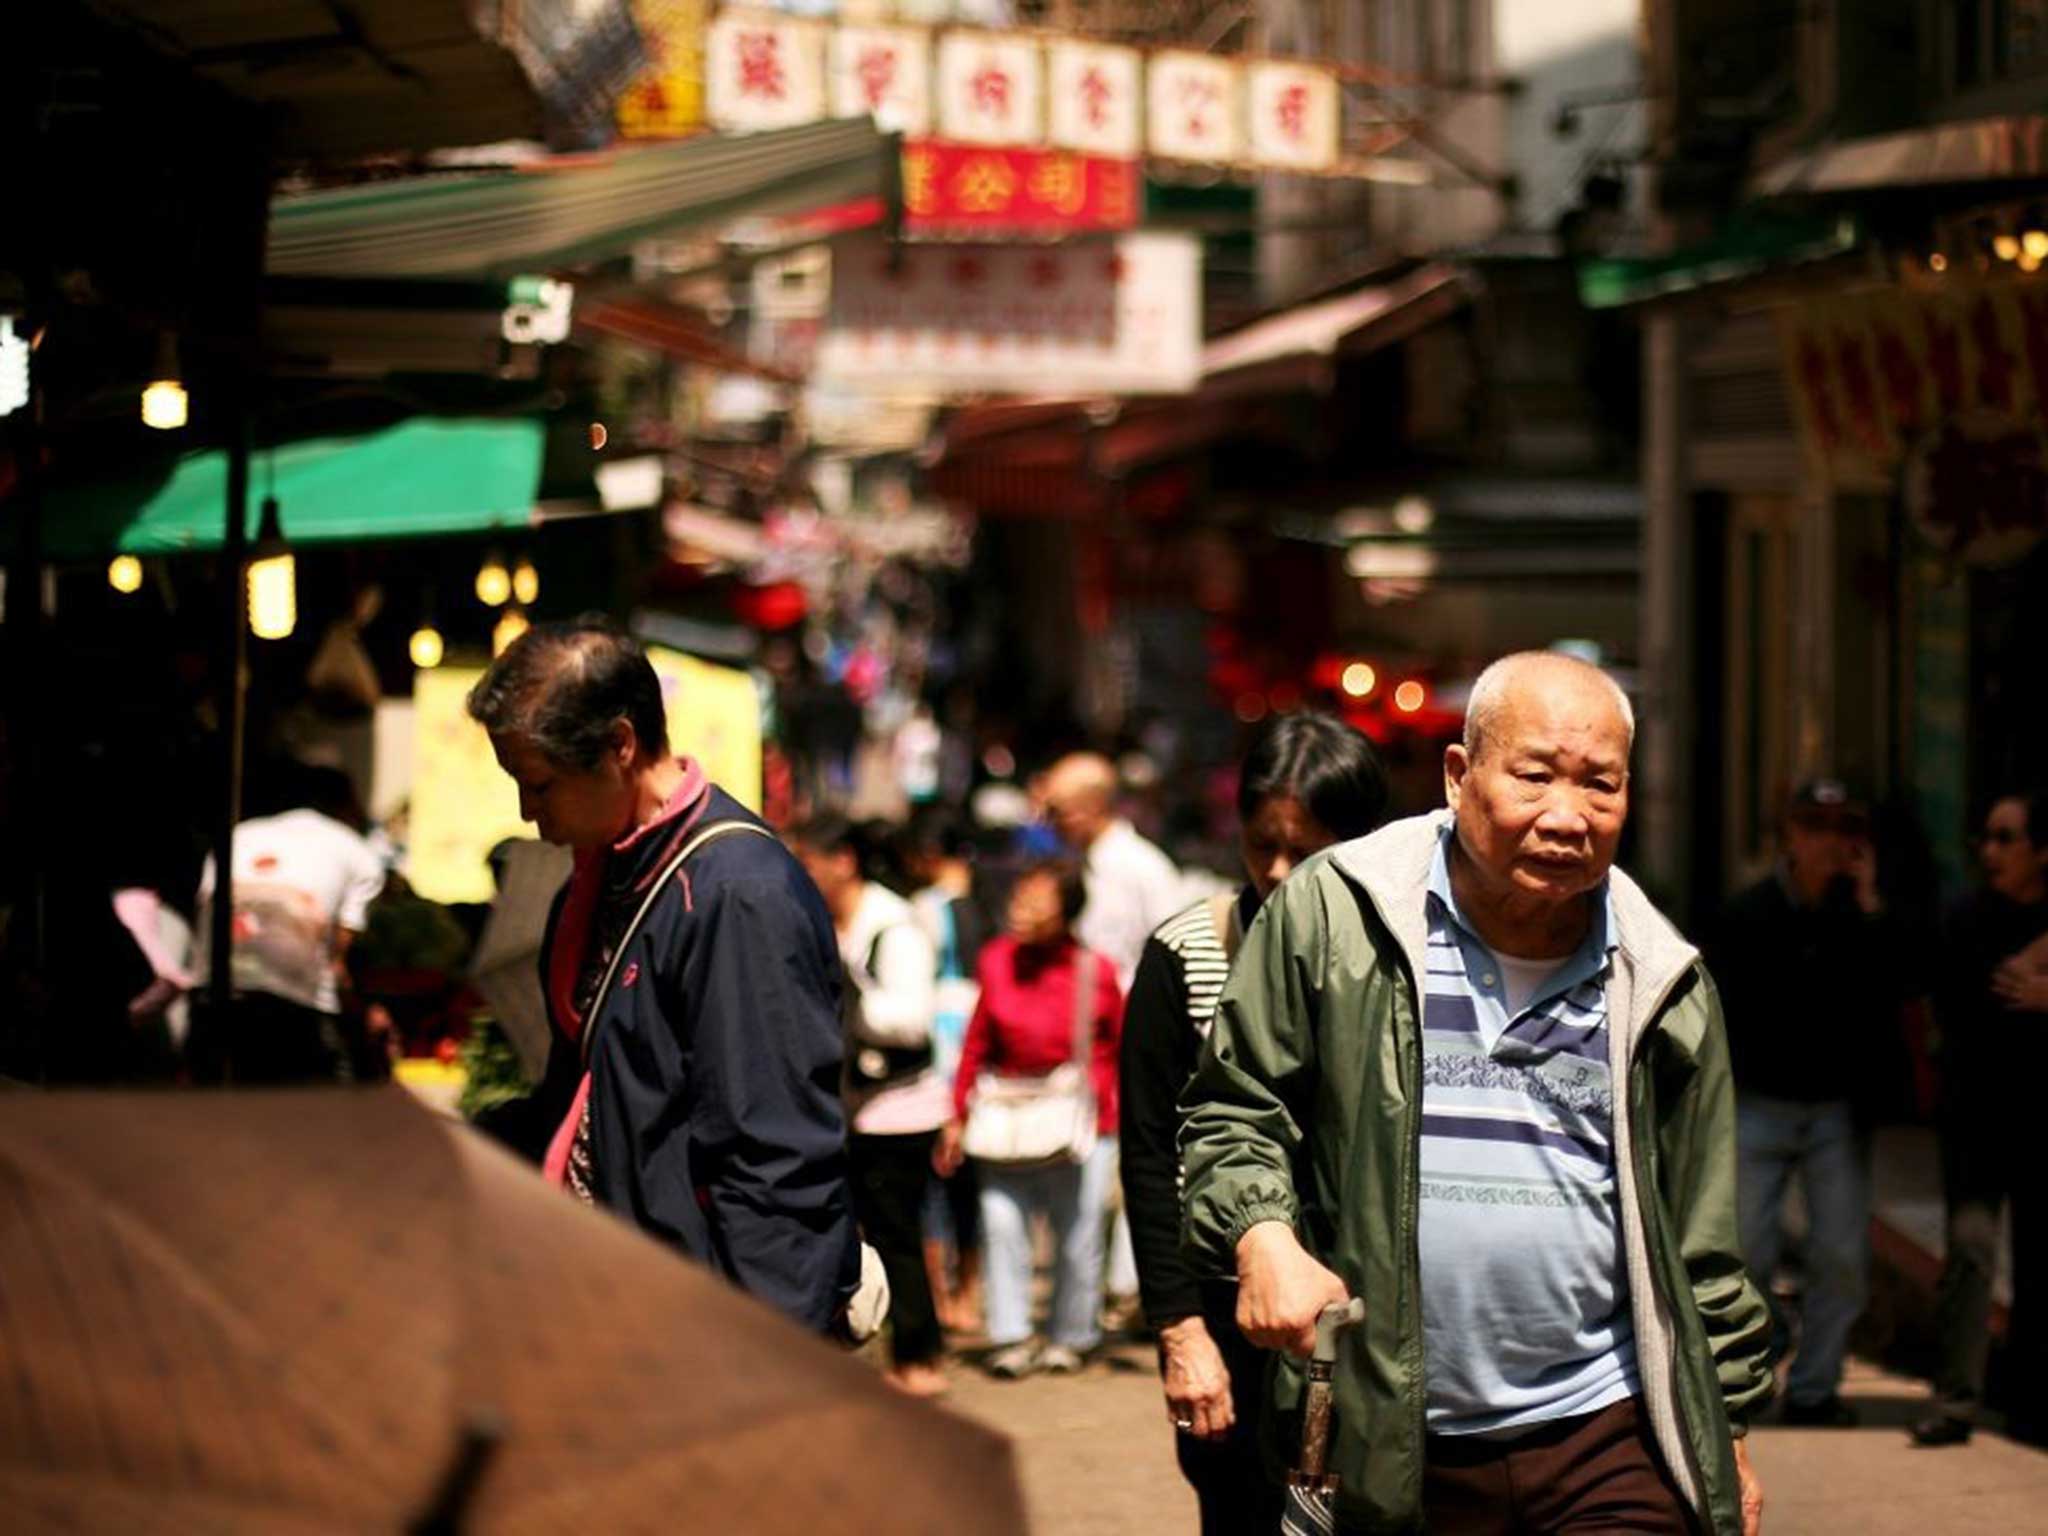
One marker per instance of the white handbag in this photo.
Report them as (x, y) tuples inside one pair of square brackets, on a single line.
[(1049, 1120)]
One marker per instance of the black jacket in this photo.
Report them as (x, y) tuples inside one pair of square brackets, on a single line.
[(715, 1117)]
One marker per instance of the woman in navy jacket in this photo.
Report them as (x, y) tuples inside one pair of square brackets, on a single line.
[(702, 1102)]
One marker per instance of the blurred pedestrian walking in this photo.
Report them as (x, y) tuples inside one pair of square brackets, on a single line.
[(1992, 1006), (1814, 973), (953, 902), (301, 891), (1132, 888), (895, 1096), (1042, 1048), (693, 980), (1465, 1071), (1307, 781)]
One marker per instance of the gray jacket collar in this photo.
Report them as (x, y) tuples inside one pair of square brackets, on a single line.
[(1392, 867)]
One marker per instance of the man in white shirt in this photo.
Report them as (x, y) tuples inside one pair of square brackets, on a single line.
[(1133, 887), (303, 883)]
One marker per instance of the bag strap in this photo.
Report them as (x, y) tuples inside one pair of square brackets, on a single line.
[(1223, 923), (1084, 1005), (704, 835)]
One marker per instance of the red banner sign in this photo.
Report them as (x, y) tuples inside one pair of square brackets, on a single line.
[(980, 190)]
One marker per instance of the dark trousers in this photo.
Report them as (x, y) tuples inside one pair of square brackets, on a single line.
[(265, 1040), (1598, 1472), (1982, 1175), (890, 1175), (1229, 1477)]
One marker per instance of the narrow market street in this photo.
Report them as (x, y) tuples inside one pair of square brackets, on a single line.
[(1095, 1459)]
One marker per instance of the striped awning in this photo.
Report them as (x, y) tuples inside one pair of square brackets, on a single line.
[(572, 210)]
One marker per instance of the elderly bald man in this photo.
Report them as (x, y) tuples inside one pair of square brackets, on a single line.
[(1133, 886), (1465, 1070)]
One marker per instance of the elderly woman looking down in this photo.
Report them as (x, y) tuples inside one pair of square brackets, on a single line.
[(692, 979)]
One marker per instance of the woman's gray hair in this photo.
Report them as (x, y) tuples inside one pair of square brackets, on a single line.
[(1489, 693)]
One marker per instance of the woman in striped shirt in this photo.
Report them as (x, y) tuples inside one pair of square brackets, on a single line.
[(1308, 781)]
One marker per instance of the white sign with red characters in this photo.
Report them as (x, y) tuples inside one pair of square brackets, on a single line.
[(884, 73), (1191, 107), (1291, 116), (763, 71), (1081, 315), (988, 88), (1094, 102)]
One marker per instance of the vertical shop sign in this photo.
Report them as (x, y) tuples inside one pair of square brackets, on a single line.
[(1191, 107), (1291, 116), (666, 101), (1092, 99), (764, 71), (883, 73), (988, 88)]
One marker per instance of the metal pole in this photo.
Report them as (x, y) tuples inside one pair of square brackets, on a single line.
[(234, 697)]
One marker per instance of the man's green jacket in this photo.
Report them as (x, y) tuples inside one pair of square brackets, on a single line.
[(1307, 1108)]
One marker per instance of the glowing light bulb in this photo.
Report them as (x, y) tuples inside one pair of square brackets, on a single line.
[(1359, 680), (273, 597), (1409, 697), (1937, 262), (2006, 247), (493, 582), (425, 648), (164, 405), (2034, 243), (510, 626), (124, 574), (526, 582)]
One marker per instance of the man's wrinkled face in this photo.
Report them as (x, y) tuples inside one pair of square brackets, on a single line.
[(574, 808), (1541, 808)]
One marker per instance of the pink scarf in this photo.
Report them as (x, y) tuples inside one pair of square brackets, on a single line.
[(564, 960)]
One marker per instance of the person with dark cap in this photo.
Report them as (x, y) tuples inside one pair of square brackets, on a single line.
[(1813, 971), (693, 981)]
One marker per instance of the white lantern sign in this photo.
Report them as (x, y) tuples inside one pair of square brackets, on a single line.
[(1291, 113), (763, 72), (884, 73), (988, 88), (1093, 101), (1191, 107)]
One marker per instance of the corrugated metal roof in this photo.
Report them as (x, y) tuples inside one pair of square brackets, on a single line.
[(559, 214)]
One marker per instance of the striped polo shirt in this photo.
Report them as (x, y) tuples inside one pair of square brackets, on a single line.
[(1524, 1292)]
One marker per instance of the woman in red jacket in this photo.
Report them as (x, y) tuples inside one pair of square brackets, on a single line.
[(1034, 980)]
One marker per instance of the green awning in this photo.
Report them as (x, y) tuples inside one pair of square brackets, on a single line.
[(1744, 248), (558, 213), (423, 477)]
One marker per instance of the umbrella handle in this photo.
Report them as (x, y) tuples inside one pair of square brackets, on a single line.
[(1318, 1400)]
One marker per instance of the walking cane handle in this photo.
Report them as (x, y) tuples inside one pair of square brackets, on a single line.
[(1338, 1314)]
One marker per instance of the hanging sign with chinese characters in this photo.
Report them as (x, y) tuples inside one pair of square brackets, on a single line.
[(764, 71), (990, 189), (988, 88), (666, 99), (1093, 99), (1191, 107), (1109, 316), (1291, 116), (1944, 391), (883, 73)]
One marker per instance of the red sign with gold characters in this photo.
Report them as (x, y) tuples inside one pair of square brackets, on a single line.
[(981, 189)]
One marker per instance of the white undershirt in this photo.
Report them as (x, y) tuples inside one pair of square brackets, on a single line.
[(1522, 979)]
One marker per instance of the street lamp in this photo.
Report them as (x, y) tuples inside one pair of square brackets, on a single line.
[(273, 579)]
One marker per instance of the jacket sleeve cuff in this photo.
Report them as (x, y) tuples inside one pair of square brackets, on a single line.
[(1251, 1214)]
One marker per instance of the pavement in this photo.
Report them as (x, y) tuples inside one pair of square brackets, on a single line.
[(1095, 1455)]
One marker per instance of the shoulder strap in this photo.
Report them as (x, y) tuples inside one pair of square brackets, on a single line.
[(1086, 971), (1223, 923), (704, 835)]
